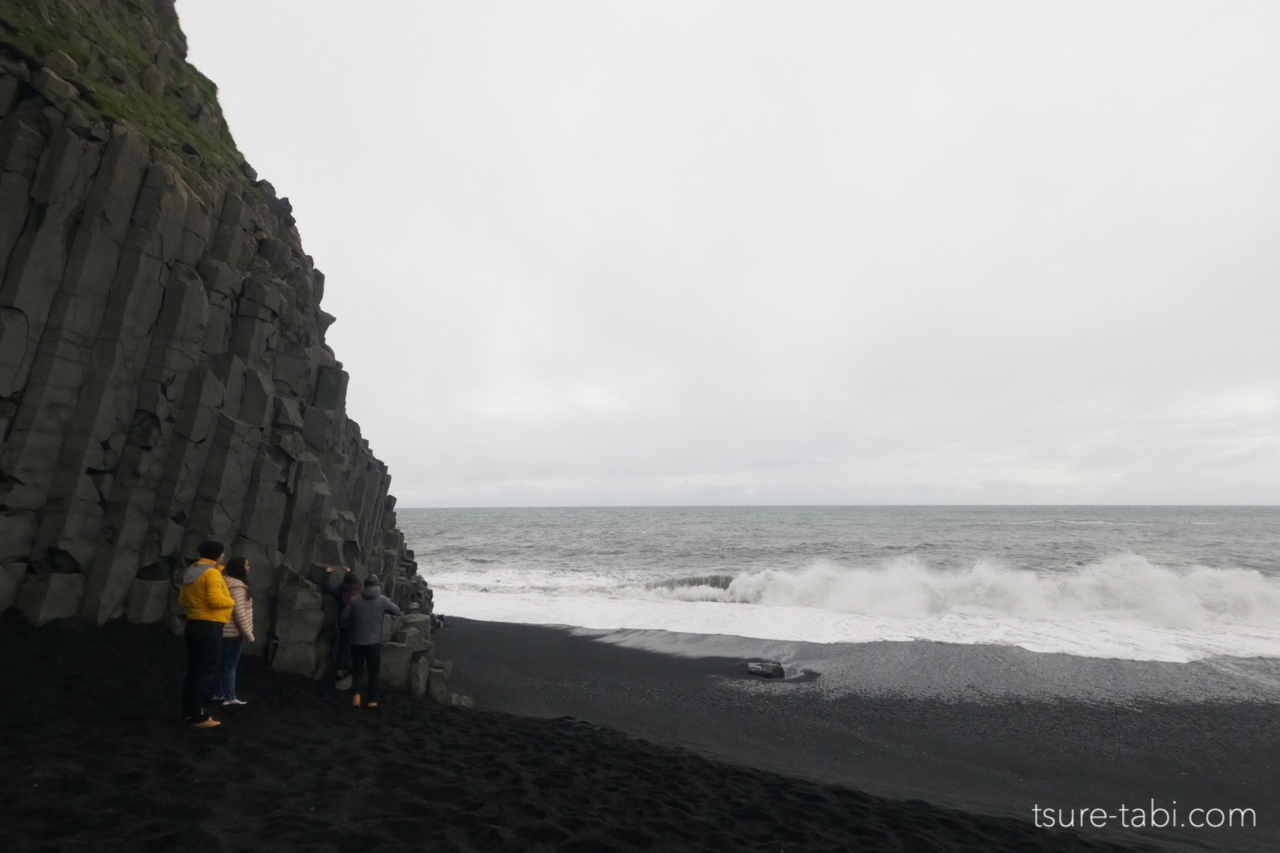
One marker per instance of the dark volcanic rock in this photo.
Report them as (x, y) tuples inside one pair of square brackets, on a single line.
[(766, 669), (164, 377)]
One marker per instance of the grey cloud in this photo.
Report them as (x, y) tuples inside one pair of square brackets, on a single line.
[(777, 253)]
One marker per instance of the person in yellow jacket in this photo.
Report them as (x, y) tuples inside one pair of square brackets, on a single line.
[(208, 603)]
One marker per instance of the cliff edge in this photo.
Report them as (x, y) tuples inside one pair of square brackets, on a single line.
[(164, 377)]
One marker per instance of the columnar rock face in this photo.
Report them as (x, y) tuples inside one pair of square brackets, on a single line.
[(164, 377)]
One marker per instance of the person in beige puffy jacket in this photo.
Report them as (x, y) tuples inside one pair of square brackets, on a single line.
[(238, 631)]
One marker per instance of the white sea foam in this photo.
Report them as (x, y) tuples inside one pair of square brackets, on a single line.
[(1122, 607), (1125, 587)]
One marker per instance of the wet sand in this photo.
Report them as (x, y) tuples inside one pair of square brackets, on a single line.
[(985, 729), (95, 759)]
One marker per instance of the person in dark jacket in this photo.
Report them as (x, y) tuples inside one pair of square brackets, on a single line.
[(364, 615), (348, 589)]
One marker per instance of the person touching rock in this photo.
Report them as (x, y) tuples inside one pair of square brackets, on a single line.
[(208, 603), (238, 631), (347, 589), (364, 615)]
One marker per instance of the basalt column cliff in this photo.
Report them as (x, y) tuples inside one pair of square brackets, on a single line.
[(164, 377)]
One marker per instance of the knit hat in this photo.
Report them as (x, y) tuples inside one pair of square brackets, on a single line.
[(210, 549)]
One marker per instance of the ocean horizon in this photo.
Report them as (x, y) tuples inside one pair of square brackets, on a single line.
[(1158, 583)]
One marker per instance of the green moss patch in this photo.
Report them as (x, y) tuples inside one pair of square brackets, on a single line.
[(94, 31)]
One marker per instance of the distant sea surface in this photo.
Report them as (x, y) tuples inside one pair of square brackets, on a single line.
[(1140, 583)]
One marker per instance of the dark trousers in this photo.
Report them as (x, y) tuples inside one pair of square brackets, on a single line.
[(343, 661), (360, 655), (204, 656)]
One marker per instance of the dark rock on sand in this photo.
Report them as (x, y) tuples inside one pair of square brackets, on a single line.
[(766, 669)]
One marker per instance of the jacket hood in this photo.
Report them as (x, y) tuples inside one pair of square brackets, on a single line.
[(196, 569), (371, 592)]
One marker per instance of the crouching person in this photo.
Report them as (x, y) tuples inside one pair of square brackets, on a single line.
[(208, 603), (364, 614)]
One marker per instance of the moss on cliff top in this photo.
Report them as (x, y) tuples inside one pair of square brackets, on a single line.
[(131, 66)]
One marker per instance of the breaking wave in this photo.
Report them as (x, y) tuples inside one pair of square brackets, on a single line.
[(1124, 587)]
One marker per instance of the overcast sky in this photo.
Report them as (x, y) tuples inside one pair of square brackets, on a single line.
[(785, 252)]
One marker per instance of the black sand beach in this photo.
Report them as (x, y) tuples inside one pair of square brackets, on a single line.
[(1094, 733), (95, 760)]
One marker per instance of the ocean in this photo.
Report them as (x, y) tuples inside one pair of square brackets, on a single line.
[(1174, 584)]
